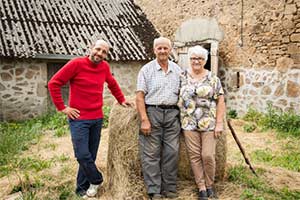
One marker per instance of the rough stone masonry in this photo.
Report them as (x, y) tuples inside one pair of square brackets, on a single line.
[(259, 57)]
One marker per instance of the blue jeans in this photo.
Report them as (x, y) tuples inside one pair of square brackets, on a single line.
[(85, 136)]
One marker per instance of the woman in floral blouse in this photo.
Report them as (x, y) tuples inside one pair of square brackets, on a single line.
[(202, 108)]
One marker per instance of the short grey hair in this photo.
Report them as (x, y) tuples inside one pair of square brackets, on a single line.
[(198, 51), (101, 42), (162, 40)]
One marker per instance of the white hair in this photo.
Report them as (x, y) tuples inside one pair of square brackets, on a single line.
[(198, 51), (161, 40)]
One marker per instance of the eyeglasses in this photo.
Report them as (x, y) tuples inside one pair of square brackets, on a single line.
[(197, 59)]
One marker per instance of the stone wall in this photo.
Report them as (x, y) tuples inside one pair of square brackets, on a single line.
[(23, 92), (126, 75), (257, 88), (261, 42), (22, 89)]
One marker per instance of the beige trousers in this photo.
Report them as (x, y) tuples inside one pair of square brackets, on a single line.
[(201, 148)]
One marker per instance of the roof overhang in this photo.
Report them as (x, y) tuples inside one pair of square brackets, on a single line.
[(54, 56)]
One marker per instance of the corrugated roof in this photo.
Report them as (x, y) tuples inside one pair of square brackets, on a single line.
[(67, 27)]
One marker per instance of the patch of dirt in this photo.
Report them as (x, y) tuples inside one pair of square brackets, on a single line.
[(250, 142), (277, 177)]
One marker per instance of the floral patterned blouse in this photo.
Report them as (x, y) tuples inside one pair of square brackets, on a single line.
[(197, 102)]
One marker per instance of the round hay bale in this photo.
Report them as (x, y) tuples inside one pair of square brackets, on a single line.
[(124, 174), (221, 152), (123, 163)]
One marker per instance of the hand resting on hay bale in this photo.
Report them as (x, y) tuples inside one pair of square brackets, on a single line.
[(124, 174)]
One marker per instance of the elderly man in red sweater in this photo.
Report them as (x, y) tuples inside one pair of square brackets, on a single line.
[(86, 76)]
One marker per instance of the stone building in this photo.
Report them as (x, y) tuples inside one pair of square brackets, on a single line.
[(258, 54), (39, 36)]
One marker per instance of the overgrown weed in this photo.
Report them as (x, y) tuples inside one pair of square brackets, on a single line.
[(16, 137), (106, 112), (256, 188), (285, 123)]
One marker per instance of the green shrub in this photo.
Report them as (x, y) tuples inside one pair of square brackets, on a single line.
[(56, 120), (285, 123), (253, 115), (249, 128), (232, 114), (106, 111)]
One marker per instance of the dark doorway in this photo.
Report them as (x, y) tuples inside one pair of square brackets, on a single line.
[(52, 68), (208, 62)]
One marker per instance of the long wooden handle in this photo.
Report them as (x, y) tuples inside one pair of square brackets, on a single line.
[(240, 147)]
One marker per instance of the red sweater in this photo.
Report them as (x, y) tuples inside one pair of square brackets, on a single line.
[(86, 86)]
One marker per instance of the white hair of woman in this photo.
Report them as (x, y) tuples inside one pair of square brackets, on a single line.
[(198, 51)]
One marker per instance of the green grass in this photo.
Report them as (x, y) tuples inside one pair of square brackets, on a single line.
[(26, 184), (249, 128), (34, 164), (284, 123), (30, 195), (31, 190), (256, 188), (62, 158), (287, 126), (25, 165), (65, 192), (16, 137), (286, 158), (51, 146), (106, 111)]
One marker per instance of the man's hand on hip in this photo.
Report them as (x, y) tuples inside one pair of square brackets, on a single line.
[(72, 113)]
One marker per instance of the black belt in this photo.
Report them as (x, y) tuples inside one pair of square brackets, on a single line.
[(163, 106)]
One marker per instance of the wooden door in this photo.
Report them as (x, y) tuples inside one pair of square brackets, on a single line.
[(52, 68)]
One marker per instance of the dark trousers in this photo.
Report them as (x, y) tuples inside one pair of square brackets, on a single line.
[(159, 150), (85, 136)]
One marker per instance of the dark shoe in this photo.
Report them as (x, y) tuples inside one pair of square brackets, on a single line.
[(170, 195), (203, 195), (211, 193), (155, 196)]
